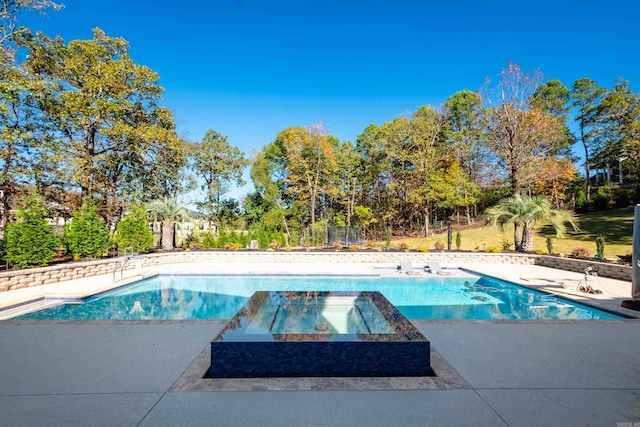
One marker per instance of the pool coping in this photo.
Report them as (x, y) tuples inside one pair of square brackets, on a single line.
[(86, 287)]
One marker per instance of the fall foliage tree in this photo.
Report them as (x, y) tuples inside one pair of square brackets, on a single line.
[(111, 126), (519, 132)]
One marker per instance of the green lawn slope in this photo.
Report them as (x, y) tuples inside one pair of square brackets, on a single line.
[(615, 224)]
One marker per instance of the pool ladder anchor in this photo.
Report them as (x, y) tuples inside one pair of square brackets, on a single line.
[(124, 258)]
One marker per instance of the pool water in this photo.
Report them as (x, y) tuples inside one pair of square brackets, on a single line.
[(467, 297)]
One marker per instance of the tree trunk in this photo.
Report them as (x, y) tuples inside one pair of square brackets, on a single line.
[(527, 238), (167, 228), (587, 169), (517, 240)]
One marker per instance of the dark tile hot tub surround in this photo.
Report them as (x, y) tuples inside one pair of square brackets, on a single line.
[(403, 351)]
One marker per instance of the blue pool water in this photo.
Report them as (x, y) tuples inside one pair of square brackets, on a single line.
[(220, 297)]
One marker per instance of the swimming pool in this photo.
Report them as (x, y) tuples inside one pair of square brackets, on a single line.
[(205, 297)]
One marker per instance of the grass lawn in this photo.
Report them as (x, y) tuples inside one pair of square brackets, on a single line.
[(615, 224)]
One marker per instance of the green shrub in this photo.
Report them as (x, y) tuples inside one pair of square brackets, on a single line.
[(208, 240), (622, 197), (581, 202), (133, 231), (87, 235), (601, 199), (30, 242), (265, 237), (458, 240)]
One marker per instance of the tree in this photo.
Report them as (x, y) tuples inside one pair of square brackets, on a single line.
[(525, 213), (619, 134), (266, 206), (519, 132), (113, 131), (30, 241), (87, 235), (9, 10), (585, 97), (219, 164), (168, 211), (463, 113), (427, 127), (349, 178), (310, 165), (133, 231)]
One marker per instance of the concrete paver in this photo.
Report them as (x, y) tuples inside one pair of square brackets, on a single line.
[(322, 408), (541, 355), (564, 407), (96, 410)]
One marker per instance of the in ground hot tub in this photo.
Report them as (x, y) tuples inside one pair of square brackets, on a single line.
[(311, 334)]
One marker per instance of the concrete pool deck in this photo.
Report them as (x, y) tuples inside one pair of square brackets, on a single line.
[(568, 373)]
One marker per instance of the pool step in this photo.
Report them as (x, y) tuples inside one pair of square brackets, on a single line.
[(33, 306)]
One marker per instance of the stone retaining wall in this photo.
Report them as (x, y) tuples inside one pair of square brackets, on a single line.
[(613, 271), (40, 276)]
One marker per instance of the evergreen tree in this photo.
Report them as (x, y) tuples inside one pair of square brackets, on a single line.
[(30, 241), (87, 235), (133, 231)]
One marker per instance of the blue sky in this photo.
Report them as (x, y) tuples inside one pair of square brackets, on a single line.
[(250, 68)]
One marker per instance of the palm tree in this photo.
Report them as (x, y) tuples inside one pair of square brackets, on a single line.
[(525, 213), (168, 211)]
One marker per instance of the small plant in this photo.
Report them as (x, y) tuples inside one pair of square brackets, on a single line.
[(458, 240), (581, 252), (493, 249), (506, 245), (354, 248), (233, 246), (549, 244), (600, 243), (438, 246), (195, 246), (192, 242), (403, 246), (539, 251), (388, 237), (627, 258), (370, 244), (422, 249), (274, 244)]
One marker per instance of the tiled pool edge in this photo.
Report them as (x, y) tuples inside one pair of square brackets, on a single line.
[(193, 380)]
